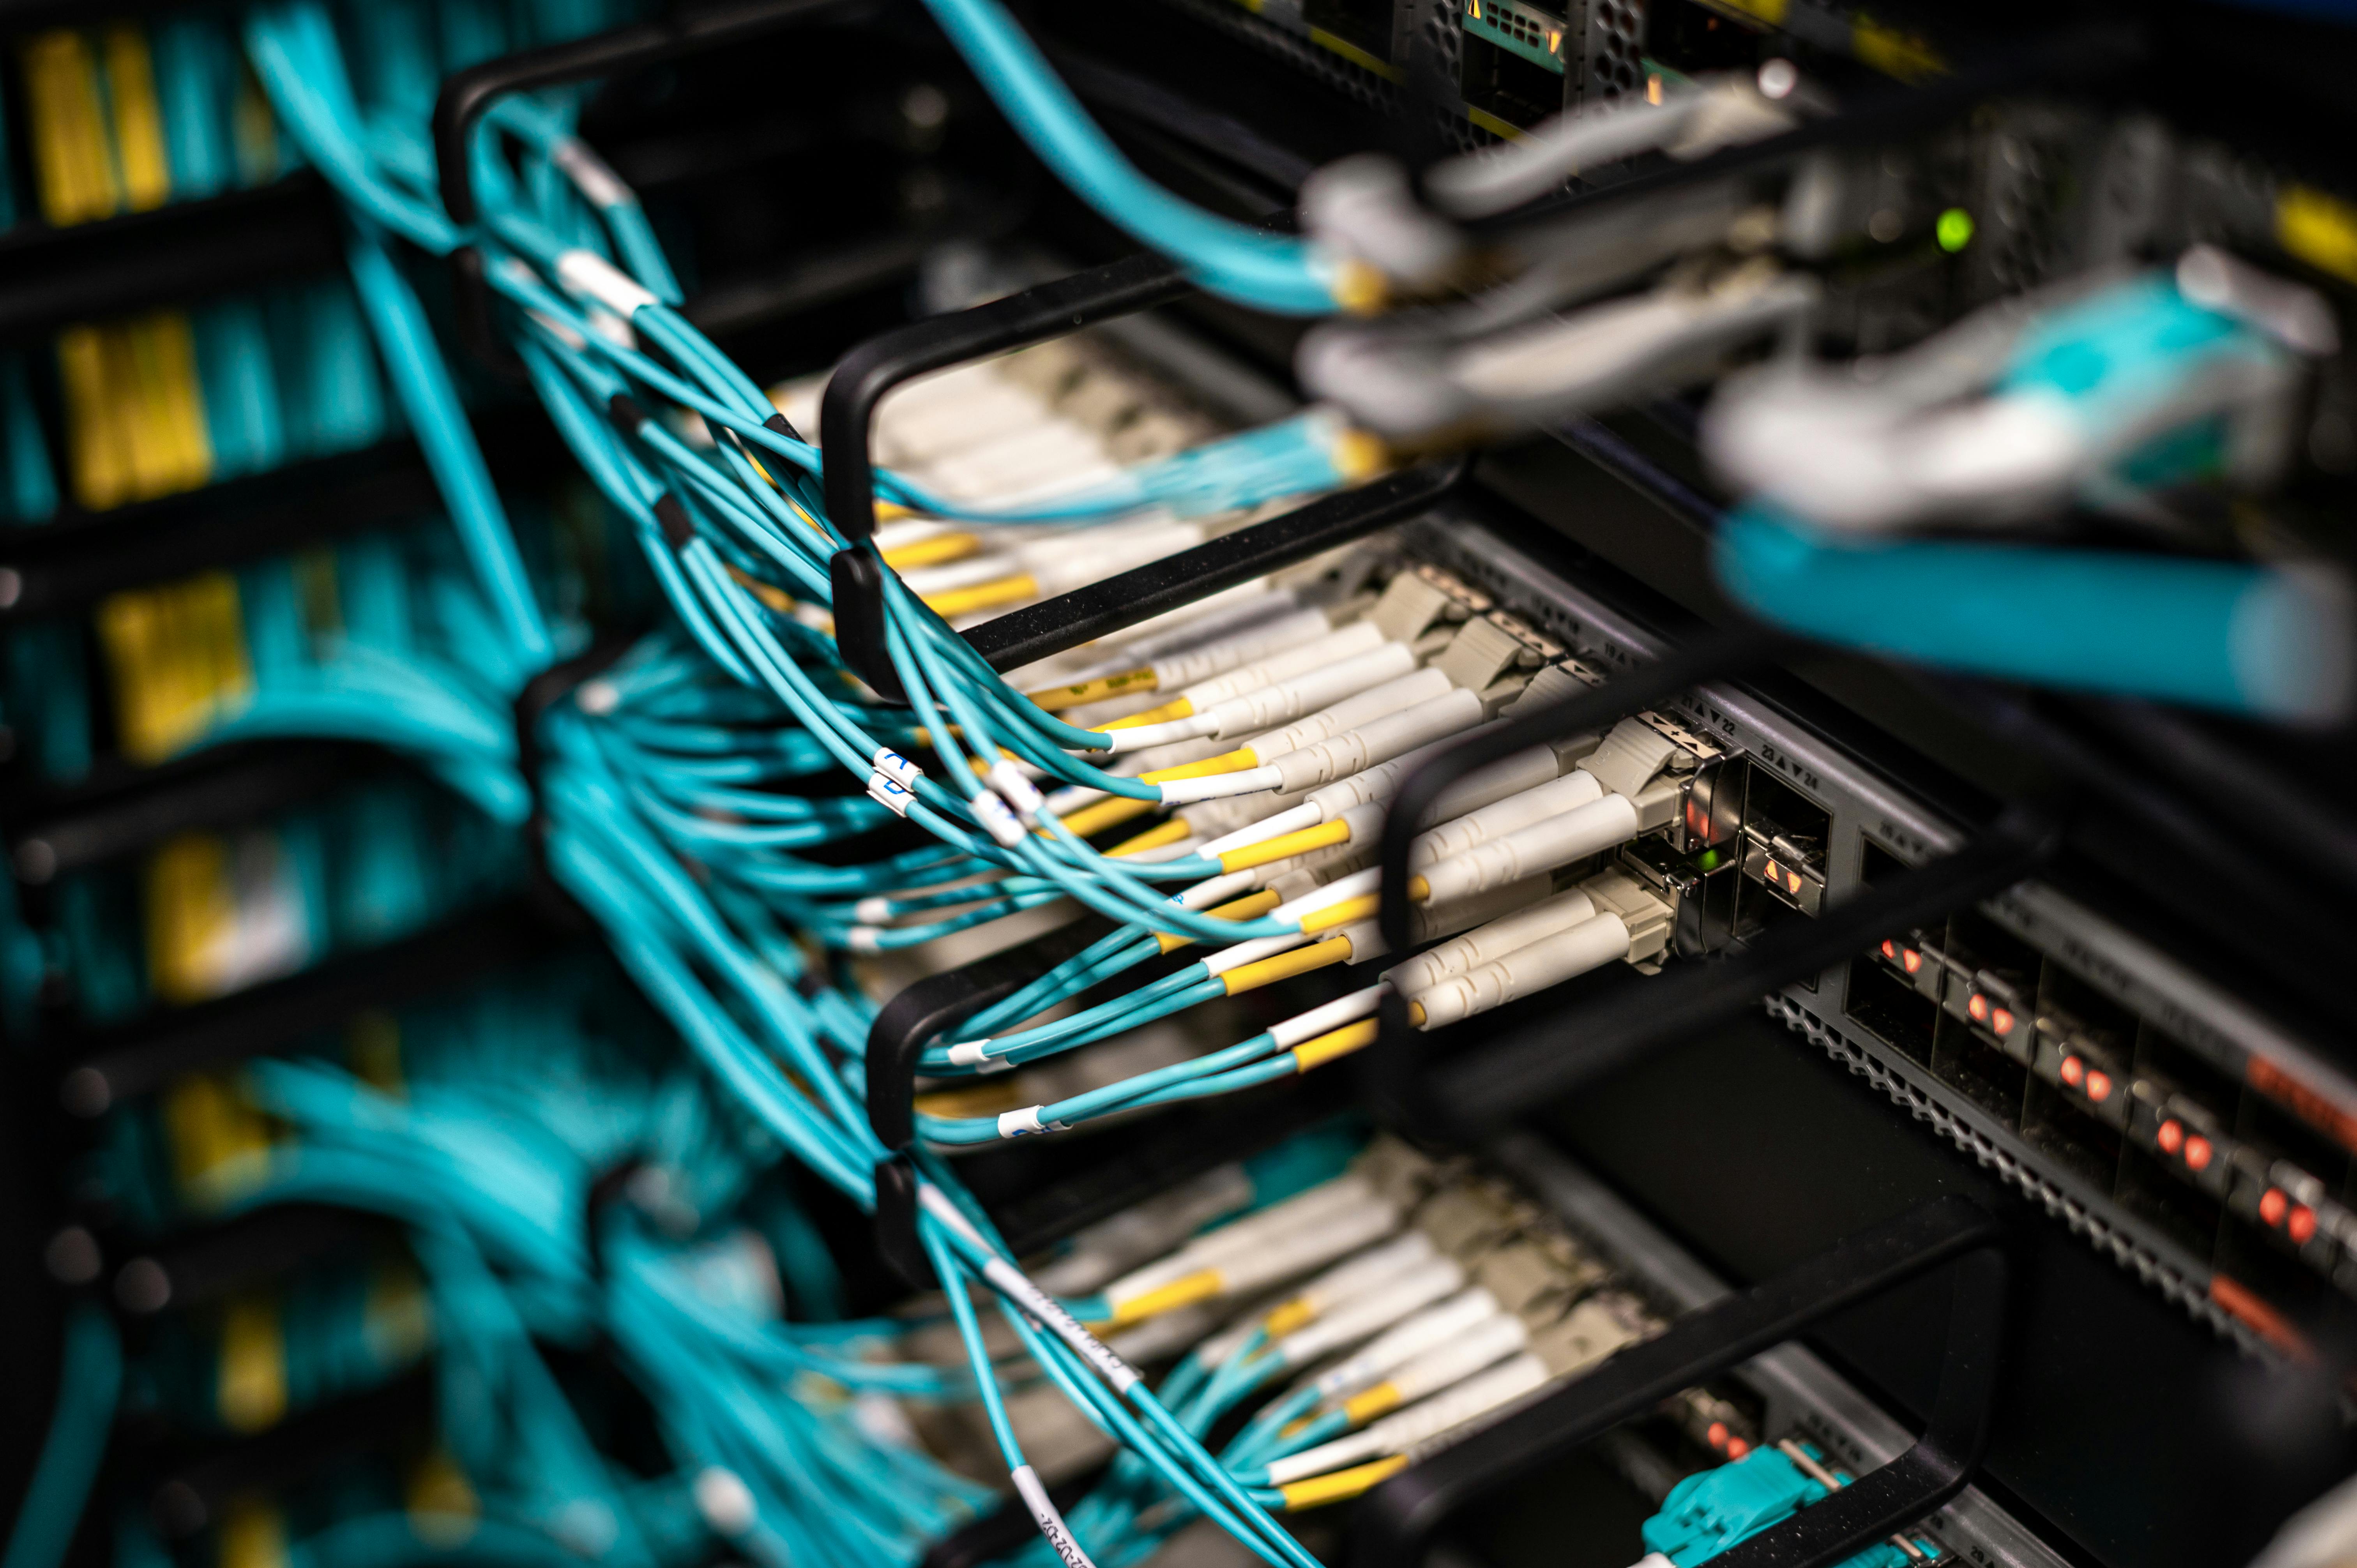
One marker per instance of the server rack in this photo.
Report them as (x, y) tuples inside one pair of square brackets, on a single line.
[(2161, 1400)]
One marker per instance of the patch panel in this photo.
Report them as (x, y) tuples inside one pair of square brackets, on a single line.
[(2121, 1090)]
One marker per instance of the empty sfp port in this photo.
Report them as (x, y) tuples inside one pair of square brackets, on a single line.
[(1785, 835)]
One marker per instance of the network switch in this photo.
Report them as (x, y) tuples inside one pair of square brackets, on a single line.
[(2101, 1077)]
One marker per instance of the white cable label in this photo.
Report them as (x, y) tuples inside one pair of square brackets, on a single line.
[(1050, 1522), (1011, 1281), (1049, 1310), (592, 276), (895, 767), (997, 820), (889, 793), (863, 939), (1020, 1123)]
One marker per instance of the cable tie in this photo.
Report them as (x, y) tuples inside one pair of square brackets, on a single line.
[(624, 411), (671, 518)]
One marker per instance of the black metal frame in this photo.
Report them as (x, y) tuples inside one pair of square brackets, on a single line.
[(847, 416), (468, 95), (1394, 1524)]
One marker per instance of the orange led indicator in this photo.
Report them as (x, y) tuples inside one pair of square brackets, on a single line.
[(2170, 1136), (1978, 1008), (2274, 1206), (2197, 1153), (1736, 1448), (2099, 1087), (1718, 1436), (2072, 1070), (2001, 1021), (1890, 949), (2301, 1225)]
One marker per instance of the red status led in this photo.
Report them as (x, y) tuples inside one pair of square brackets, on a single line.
[(2197, 1153), (1890, 949), (2274, 1204), (2170, 1136), (1717, 1434), (2001, 1021), (1911, 960), (1978, 1008), (2301, 1225), (2072, 1070), (2099, 1087)]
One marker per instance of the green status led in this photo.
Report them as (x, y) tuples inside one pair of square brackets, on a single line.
[(1955, 229)]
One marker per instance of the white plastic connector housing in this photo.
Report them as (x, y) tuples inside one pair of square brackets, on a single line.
[(1216, 818), (1526, 971), (1285, 701), (1493, 940), (1448, 1364), (1183, 666), (1393, 697), (1500, 818), (1417, 1423), (1450, 714), (1430, 923), (1647, 917), (1284, 665), (1272, 1226), (1356, 1275), (1439, 1325), (1342, 1233), (1370, 1311), (1543, 846)]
